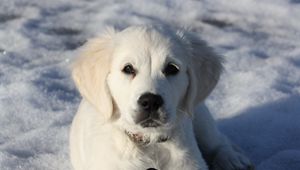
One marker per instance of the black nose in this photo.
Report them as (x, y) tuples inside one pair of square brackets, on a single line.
[(150, 103)]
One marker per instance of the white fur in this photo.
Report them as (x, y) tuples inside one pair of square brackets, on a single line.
[(109, 106)]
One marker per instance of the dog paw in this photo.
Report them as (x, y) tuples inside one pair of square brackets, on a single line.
[(228, 159)]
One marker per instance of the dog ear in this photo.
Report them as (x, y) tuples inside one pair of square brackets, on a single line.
[(90, 71), (204, 70)]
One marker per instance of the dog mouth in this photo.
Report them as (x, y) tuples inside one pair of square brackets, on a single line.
[(150, 123), (152, 120)]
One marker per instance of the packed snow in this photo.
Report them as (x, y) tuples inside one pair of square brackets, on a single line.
[(256, 103)]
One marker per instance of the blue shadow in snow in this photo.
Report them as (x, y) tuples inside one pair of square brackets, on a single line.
[(266, 130)]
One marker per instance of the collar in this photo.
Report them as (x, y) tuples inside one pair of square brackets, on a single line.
[(142, 140)]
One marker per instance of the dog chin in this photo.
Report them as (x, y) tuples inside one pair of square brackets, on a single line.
[(153, 134)]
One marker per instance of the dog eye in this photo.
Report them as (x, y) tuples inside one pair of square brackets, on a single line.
[(128, 69), (171, 69)]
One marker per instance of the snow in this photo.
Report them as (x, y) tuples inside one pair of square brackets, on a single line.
[(256, 103)]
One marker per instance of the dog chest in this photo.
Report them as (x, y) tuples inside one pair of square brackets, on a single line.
[(164, 156)]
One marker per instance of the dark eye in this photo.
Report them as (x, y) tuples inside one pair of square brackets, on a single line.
[(128, 69), (171, 69)]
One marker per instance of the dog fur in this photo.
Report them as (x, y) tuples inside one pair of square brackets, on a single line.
[(99, 137)]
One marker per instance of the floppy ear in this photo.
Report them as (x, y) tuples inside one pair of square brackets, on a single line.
[(90, 71), (204, 70)]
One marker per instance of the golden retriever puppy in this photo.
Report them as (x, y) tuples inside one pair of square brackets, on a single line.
[(142, 91)]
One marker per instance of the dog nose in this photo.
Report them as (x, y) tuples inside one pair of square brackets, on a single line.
[(150, 102)]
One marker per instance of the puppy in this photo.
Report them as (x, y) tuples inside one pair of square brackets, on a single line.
[(142, 91)]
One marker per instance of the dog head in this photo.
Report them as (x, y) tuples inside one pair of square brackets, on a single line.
[(144, 78)]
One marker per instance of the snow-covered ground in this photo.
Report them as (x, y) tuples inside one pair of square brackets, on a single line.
[(256, 103)]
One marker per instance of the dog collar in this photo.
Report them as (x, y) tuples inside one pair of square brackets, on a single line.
[(140, 139)]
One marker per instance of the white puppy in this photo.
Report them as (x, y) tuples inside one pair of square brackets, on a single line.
[(140, 90)]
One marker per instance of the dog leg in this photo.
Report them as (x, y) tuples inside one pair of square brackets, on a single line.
[(217, 150)]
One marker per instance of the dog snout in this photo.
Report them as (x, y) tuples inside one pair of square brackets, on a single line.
[(150, 103)]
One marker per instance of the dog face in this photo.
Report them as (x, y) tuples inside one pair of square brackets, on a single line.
[(144, 78), (148, 78)]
